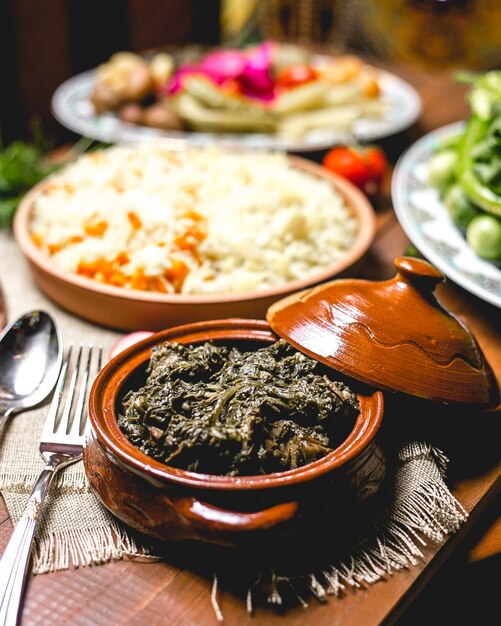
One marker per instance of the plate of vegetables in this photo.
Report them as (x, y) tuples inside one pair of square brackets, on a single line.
[(267, 96), (446, 192)]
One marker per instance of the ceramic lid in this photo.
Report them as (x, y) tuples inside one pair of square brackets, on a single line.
[(391, 334)]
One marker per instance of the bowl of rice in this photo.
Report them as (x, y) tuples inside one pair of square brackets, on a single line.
[(143, 237)]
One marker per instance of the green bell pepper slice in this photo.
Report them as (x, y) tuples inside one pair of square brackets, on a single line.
[(480, 194)]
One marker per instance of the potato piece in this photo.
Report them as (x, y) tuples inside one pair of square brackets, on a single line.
[(159, 116), (161, 68), (116, 72), (341, 69), (131, 113), (127, 75), (125, 58), (139, 83), (104, 98)]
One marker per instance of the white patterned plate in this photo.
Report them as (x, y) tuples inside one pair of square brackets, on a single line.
[(427, 224), (71, 106)]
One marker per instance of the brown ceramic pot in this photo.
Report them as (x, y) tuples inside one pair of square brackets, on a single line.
[(173, 504)]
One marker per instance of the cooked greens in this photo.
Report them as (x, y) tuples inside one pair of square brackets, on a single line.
[(220, 410)]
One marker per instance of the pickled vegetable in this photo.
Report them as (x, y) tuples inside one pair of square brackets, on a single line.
[(280, 80)]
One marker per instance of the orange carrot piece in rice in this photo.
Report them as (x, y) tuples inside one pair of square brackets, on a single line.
[(138, 281), (88, 268), (122, 258), (96, 229), (177, 273), (117, 278), (53, 248), (155, 283), (37, 240), (134, 220)]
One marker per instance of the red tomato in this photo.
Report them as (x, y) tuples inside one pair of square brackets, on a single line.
[(364, 167), (377, 163), (295, 75), (347, 163)]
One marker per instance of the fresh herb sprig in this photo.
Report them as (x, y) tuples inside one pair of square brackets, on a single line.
[(23, 165)]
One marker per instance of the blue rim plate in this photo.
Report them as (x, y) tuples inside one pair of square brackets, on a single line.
[(427, 224)]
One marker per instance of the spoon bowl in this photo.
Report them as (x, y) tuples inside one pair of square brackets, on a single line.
[(30, 359)]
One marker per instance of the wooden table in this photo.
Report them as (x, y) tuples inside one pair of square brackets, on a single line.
[(165, 593)]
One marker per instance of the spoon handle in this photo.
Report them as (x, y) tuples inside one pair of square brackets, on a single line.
[(14, 562), (5, 413)]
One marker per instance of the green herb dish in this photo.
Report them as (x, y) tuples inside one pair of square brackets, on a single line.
[(171, 503), (220, 410)]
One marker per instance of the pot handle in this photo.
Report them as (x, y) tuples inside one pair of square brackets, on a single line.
[(202, 514)]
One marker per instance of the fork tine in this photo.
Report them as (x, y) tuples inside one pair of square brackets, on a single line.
[(85, 426), (70, 398), (99, 359), (76, 426), (66, 415), (50, 425)]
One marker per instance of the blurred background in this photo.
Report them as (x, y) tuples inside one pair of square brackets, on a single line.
[(45, 43)]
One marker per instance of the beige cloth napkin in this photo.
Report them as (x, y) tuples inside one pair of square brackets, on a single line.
[(77, 531)]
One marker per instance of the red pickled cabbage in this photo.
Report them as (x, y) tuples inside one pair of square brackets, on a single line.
[(251, 69), (256, 78), (223, 65)]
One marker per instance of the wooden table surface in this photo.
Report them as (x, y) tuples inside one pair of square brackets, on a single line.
[(465, 567)]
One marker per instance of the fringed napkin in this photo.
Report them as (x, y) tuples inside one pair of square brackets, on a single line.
[(415, 506), (382, 536)]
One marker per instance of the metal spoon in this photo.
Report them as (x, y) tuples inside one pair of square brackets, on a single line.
[(30, 359)]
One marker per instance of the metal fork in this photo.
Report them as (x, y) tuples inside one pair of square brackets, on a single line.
[(61, 444)]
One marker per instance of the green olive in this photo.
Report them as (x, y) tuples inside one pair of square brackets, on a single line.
[(483, 234)]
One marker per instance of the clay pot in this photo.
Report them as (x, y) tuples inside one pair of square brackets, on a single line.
[(172, 504)]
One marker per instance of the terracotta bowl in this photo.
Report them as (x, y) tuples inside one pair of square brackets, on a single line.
[(173, 504), (126, 309)]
